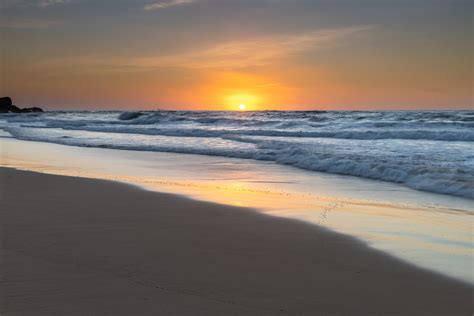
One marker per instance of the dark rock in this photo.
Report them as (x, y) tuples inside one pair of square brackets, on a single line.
[(15, 109), (5, 104), (33, 109)]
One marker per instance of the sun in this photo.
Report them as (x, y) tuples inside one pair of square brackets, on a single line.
[(241, 102)]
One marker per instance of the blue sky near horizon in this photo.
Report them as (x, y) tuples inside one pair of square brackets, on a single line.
[(208, 54)]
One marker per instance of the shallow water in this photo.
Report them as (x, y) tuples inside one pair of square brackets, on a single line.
[(431, 230)]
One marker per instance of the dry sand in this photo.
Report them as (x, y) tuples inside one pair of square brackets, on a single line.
[(74, 246)]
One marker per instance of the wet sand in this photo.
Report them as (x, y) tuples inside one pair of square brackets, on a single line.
[(75, 246)]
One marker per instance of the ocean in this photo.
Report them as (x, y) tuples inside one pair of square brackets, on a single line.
[(424, 150)]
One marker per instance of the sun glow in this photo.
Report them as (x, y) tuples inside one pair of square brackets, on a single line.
[(242, 101)]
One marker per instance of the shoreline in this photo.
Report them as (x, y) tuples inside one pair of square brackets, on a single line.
[(391, 192), (157, 252)]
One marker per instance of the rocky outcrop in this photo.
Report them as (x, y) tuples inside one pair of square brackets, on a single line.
[(6, 106), (29, 110), (14, 109)]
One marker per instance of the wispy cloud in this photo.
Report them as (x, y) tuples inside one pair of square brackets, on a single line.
[(48, 3), (253, 52), (233, 55), (166, 4)]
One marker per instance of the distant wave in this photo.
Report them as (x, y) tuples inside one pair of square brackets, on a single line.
[(348, 134), (129, 115), (352, 125)]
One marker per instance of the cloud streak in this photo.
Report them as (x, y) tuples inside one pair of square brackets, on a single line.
[(251, 53), (48, 3), (227, 56), (166, 4)]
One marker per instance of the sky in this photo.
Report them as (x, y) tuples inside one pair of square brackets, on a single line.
[(218, 54)]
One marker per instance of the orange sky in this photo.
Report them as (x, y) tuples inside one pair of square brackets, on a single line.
[(217, 55)]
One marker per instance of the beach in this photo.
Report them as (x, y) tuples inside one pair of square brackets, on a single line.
[(75, 246), (191, 157)]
